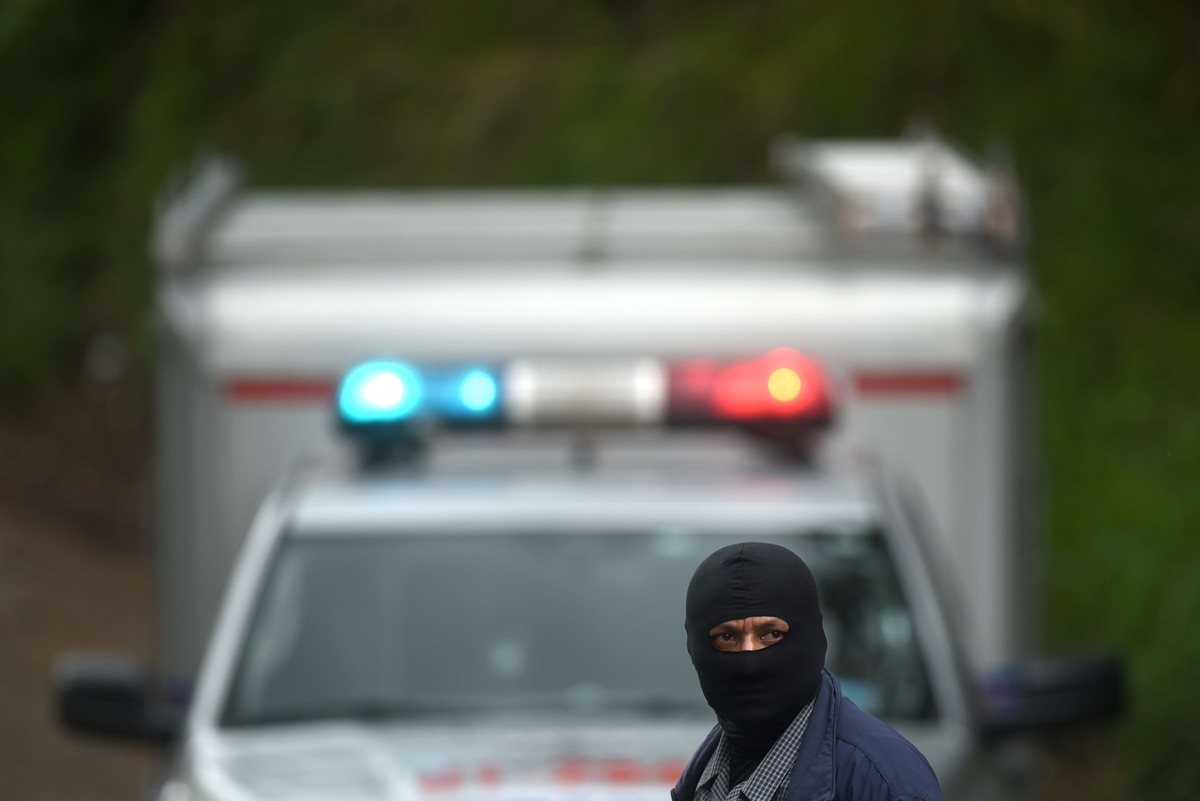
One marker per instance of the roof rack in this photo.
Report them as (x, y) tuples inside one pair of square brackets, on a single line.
[(190, 208), (916, 194)]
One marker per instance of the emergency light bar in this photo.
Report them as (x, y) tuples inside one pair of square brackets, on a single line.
[(780, 387)]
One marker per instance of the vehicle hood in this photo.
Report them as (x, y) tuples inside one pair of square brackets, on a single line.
[(352, 762)]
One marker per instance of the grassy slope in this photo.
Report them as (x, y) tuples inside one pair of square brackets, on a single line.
[(1098, 102)]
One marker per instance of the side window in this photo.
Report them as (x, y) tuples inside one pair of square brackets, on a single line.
[(873, 645)]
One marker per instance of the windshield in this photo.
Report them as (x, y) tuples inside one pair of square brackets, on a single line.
[(494, 624)]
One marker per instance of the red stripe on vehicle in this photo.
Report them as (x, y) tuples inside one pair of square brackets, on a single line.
[(571, 771), (623, 771), (442, 780), (279, 390), (670, 771), (909, 382)]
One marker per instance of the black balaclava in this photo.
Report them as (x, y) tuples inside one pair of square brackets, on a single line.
[(756, 694)]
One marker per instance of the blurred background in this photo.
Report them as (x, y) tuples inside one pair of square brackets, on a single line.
[(1098, 104)]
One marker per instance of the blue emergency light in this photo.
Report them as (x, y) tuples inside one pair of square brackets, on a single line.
[(380, 392), (464, 395), (390, 394), (477, 391)]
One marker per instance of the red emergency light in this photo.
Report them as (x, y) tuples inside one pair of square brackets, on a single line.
[(782, 385)]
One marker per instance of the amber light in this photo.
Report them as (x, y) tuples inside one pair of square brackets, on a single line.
[(784, 384)]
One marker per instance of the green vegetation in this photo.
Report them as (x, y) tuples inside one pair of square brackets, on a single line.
[(1098, 102)]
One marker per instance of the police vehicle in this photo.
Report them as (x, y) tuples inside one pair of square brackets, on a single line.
[(496, 431)]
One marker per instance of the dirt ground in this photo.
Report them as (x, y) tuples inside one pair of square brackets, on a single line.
[(61, 589)]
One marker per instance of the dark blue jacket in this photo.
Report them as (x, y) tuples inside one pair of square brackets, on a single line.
[(846, 755)]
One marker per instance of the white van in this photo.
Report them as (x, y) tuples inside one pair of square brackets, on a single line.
[(493, 428)]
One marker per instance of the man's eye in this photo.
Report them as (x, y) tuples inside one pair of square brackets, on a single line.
[(726, 636), (775, 634)]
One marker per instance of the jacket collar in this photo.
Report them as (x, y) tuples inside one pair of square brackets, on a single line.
[(814, 773), (685, 788)]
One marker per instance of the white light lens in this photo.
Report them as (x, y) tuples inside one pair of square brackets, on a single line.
[(384, 391), (610, 392)]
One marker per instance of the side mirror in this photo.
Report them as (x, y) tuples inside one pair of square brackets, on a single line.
[(114, 696), (1048, 694)]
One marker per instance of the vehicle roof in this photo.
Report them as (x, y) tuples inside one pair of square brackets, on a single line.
[(306, 282), (600, 498), (555, 226), (298, 323)]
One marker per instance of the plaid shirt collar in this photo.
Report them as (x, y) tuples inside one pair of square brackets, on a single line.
[(769, 779)]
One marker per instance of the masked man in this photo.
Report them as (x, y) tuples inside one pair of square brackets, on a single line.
[(786, 732)]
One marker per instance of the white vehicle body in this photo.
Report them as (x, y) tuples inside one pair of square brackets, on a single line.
[(266, 299), (714, 499)]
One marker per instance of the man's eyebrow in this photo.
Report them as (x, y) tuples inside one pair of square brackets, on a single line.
[(735, 625)]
